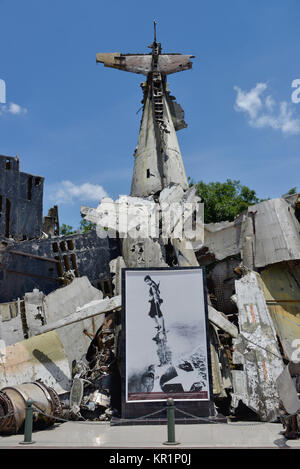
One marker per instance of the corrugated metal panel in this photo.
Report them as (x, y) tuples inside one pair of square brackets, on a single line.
[(267, 233), (276, 232)]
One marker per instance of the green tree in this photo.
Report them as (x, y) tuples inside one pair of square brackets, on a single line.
[(66, 229), (292, 191), (86, 226), (224, 200)]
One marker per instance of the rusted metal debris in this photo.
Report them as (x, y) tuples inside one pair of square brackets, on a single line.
[(46, 406), (95, 393)]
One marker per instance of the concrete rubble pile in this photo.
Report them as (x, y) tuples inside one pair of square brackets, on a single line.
[(252, 267), (60, 296)]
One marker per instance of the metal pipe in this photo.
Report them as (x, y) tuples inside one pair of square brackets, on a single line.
[(28, 424), (10, 271), (171, 423), (33, 256)]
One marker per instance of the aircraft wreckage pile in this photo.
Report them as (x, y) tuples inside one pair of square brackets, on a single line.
[(60, 310)]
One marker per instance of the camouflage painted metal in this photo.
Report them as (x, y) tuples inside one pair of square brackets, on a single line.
[(142, 63), (280, 283)]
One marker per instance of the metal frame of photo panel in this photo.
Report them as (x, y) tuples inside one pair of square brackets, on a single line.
[(137, 409)]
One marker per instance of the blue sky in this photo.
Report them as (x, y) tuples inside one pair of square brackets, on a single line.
[(76, 123)]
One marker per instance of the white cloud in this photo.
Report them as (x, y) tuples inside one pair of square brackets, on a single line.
[(265, 112), (66, 192), (270, 103), (250, 102), (12, 108)]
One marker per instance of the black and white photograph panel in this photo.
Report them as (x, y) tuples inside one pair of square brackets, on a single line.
[(166, 340)]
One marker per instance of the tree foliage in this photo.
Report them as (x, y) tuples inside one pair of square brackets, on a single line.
[(66, 229), (224, 200), (86, 226), (292, 191)]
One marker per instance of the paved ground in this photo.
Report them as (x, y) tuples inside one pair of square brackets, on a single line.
[(102, 435)]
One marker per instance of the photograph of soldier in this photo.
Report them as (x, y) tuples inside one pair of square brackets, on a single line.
[(155, 302), (169, 358)]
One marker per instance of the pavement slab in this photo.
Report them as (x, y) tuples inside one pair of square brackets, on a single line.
[(103, 435)]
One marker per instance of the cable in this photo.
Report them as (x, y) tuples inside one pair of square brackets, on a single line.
[(213, 421), (266, 350), (150, 415)]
